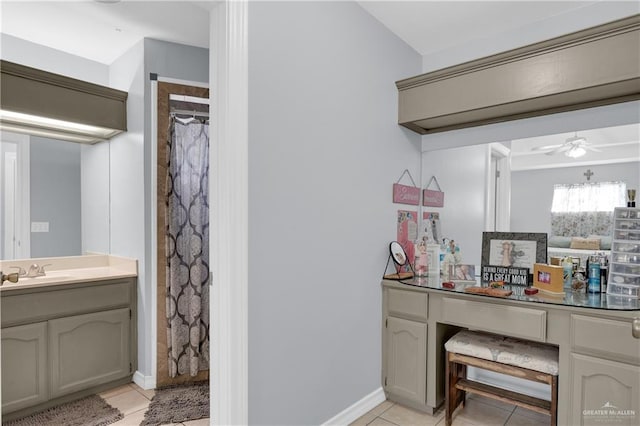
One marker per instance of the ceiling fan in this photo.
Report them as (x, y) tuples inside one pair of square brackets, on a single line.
[(574, 147)]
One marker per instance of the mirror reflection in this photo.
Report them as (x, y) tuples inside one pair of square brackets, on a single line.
[(517, 186), (54, 197)]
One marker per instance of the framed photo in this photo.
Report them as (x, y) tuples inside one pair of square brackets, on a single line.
[(514, 249)]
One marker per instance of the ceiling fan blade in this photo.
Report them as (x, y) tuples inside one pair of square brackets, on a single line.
[(546, 147), (591, 148), (559, 149)]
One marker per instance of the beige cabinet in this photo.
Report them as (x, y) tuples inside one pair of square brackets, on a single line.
[(88, 350), (62, 342), (406, 360), (605, 371), (24, 361), (604, 391), (599, 355), (404, 343)]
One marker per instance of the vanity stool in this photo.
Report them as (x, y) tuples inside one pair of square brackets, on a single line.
[(507, 355)]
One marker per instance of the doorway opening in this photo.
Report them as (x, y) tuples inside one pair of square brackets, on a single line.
[(182, 234)]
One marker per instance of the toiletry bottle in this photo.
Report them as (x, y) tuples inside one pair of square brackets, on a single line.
[(593, 285), (604, 269), (567, 272)]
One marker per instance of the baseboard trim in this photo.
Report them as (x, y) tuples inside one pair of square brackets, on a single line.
[(145, 382), (359, 408)]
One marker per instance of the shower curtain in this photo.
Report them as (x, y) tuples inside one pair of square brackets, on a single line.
[(187, 247)]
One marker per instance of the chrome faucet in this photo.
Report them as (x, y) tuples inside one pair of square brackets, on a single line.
[(21, 272), (36, 271)]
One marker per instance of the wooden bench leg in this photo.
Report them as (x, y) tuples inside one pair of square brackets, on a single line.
[(554, 401), (453, 396)]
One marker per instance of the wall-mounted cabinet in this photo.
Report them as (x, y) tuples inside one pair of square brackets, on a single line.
[(593, 67)]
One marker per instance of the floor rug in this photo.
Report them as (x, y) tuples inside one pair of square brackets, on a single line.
[(178, 403), (89, 411)]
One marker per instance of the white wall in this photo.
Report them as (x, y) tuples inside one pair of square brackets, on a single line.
[(324, 150), (461, 173), (532, 191), (34, 55), (95, 198), (596, 13), (127, 190)]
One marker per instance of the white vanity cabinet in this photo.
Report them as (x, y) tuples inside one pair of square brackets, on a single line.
[(62, 342)]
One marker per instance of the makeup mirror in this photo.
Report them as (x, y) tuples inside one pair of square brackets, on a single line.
[(397, 253), (403, 267)]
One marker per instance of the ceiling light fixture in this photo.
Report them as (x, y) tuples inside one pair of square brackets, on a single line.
[(52, 128), (576, 151)]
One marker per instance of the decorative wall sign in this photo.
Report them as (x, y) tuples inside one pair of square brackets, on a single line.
[(432, 198), (404, 194), (507, 274), (407, 231)]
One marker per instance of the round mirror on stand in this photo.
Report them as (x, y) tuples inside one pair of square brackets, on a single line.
[(400, 260)]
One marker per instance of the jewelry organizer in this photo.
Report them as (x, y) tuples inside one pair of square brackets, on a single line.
[(624, 268)]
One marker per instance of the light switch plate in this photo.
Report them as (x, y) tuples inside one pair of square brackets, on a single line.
[(39, 226)]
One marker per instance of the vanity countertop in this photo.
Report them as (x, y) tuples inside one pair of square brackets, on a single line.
[(68, 270), (569, 298)]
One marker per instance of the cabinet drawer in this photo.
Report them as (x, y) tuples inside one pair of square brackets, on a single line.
[(611, 338), (55, 302), (501, 319), (407, 304)]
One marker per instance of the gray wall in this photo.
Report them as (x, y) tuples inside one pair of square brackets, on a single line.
[(169, 60), (532, 191), (55, 197), (324, 151), (130, 163), (462, 218)]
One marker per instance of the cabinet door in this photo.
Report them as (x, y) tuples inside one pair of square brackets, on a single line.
[(24, 362), (88, 350), (406, 358), (604, 392)]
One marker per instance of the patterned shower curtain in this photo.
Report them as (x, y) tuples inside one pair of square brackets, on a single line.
[(187, 247)]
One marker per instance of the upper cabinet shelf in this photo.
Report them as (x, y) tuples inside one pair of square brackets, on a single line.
[(594, 67)]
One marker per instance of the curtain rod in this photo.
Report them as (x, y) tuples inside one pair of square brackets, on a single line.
[(185, 98), (191, 113)]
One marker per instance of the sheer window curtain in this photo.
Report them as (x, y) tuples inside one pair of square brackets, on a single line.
[(581, 210)]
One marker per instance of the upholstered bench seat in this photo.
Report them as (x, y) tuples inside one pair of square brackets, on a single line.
[(506, 355), (505, 350)]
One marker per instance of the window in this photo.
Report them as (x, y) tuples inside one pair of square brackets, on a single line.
[(588, 197)]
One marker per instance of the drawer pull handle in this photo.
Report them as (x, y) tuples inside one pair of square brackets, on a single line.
[(635, 328)]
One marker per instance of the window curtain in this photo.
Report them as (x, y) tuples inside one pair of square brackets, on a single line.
[(582, 210), (187, 247)]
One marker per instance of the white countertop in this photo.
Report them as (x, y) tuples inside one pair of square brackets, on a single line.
[(68, 270)]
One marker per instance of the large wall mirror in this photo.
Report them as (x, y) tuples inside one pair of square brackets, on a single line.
[(55, 197), (506, 182)]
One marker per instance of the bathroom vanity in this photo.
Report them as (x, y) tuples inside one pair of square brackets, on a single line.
[(67, 334), (598, 339)]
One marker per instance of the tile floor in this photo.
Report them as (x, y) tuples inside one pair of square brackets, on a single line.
[(133, 402), (478, 411)]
